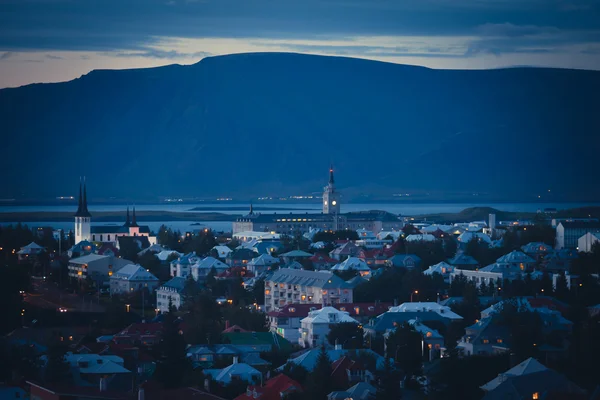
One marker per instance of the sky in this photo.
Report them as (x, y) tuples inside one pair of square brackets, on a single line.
[(60, 40)]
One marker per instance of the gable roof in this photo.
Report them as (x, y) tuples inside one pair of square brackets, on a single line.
[(462, 259), (177, 283), (547, 383), (351, 263), (134, 272), (308, 359), (322, 316), (296, 253), (273, 389), (529, 366), (321, 279), (515, 257), (210, 263)]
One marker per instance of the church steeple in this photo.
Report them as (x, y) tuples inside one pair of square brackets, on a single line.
[(127, 222), (251, 210), (331, 180), (82, 208), (133, 222)]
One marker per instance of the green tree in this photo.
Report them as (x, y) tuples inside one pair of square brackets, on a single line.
[(389, 383), (320, 383), (296, 372), (173, 364), (202, 315), (404, 345), (347, 334), (562, 289), (57, 369)]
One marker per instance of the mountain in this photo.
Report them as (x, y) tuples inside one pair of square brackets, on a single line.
[(249, 125)]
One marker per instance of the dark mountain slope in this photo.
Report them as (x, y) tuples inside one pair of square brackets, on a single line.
[(256, 124)]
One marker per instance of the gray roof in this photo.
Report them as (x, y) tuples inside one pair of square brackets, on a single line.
[(462, 259), (544, 382), (321, 279), (176, 283), (386, 320)]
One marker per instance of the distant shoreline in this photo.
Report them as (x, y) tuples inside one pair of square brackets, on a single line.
[(468, 214)]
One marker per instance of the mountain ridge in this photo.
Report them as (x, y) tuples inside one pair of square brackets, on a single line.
[(255, 124)]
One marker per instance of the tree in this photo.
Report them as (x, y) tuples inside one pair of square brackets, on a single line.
[(404, 345), (173, 364), (57, 368), (202, 315), (319, 383), (347, 334), (296, 372), (562, 289), (389, 383)]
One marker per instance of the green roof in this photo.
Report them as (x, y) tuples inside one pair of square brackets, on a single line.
[(250, 338)]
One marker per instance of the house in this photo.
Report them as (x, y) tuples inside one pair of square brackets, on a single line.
[(463, 261), (481, 338), (431, 338), (287, 286), (132, 277), (469, 235), (353, 264), (235, 372), (418, 306), (569, 232), (537, 250), (420, 237), (267, 247), (531, 380), (315, 327), (269, 340), (286, 321), (165, 255), (375, 257), (442, 268), (517, 259), (308, 359), (91, 368), (404, 261), (261, 263), (206, 356), (361, 390), (201, 269), (154, 249), (137, 242), (98, 268), (108, 249), (146, 334), (221, 252), (344, 251), (276, 388), (29, 253), (586, 243), (560, 260), (240, 257), (368, 240), (295, 255), (181, 266), (346, 372), (479, 276), (82, 248), (170, 291), (322, 261)]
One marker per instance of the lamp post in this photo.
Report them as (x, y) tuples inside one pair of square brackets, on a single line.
[(127, 307), (411, 295), (156, 311)]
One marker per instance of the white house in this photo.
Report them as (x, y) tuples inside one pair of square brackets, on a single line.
[(478, 277), (587, 241), (418, 306), (236, 371), (181, 266), (426, 237), (132, 277), (569, 232), (261, 263), (201, 269), (316, 326), (442, 268), (29, 251), (98, 268), (353, 263), (517, 259), (368, 240), (171, 290), (467, 236), (222, 251)]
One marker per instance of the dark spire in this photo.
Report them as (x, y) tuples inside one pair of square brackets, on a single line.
[(331, 181), (127, 223), (133, 223), (251, 209), (82, 209)]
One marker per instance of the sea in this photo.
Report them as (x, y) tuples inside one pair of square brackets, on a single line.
[(405, 209)]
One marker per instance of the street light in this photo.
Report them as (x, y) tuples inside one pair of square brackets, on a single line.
[(127, 307), (157, 310), (411, 295)]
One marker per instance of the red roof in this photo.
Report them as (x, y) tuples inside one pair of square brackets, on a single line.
[(272, 389), (108, 246), (353, 309), (339, 368), (234, 328)]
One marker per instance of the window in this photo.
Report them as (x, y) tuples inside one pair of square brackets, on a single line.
[(535, 396), (109, 238), (292, 309), (93, 238), (485, 341), (101, 238), (303, 297)]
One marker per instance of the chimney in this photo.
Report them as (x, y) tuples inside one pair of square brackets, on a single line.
[(235, 359), (395, 302), (103, 384), (207, 385), (227, 324), (141, 394)]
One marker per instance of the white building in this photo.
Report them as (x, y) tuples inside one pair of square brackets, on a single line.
[(261, 263), (569, 232), (426, 237), (222, 251), (201, 269), (287, 286), (427, 306), (478, 277), (130, 278), (587, 241), (353, 264), (98, 268), (517, 259), (235, 372), (172, 291), (368, 240), (182, 266), (316, 326), (442, 268)]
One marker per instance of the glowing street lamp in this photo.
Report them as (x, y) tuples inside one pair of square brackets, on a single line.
[(411, 295), (157, 310), (127, 307)]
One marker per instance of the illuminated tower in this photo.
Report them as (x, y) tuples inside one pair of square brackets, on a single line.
[(331, 198), (83, 218)]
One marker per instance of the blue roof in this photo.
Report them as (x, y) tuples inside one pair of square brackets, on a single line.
[(177, 283)]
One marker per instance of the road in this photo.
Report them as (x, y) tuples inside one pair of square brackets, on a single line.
[(47, 295)]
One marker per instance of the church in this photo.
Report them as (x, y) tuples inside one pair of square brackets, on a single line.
[(331, 218), (105, 233)]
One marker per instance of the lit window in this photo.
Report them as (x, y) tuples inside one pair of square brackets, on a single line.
[(485, 341), (535, 396), (303, 297), (429, 334), (292, 309), (267, 292)]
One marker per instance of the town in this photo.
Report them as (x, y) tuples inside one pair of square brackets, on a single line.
[(330, 305)]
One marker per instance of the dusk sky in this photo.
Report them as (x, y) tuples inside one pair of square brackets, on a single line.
[(59, 40)]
